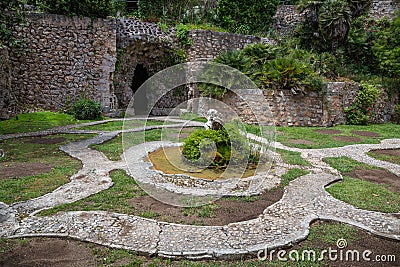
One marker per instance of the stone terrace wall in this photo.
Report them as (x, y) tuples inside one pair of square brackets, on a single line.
[(130, 31), (67, 57), (380, 9), (287, 17), (325, 108), (208, 44), (7, 104)]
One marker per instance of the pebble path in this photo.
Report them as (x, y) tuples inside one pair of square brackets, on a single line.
[(285, 222)]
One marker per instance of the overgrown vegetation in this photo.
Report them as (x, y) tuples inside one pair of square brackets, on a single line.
[(228, 144), (87, 8), (86, 109), (12, 15), (272, 67), (246, 17), (361, 110)]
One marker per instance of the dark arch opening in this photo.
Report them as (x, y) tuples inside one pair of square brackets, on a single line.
[(140, 101)]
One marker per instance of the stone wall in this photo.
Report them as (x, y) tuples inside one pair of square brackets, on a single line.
[(208, 44), (380, 9), (66, 58), (287, 17), (131, 31), (325, 108), (7, 103), (148, 45)]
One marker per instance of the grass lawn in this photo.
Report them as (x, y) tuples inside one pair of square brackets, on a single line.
[(32, 122), (361, 193), (390, 158), (119, 125), (286, 134), (292, 157), (22, 151)]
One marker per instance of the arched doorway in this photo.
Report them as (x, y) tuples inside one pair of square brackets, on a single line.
[(140, 100)]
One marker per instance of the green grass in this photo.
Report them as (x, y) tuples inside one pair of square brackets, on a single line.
[(192, 117), (115, 199), (32, 122), (291, 175), (386, 131), (361, 193), (17, 151), (391, 158), (114, 148), (292, 157), (366, 195), (119, 125), (205, 211), (346, 165)]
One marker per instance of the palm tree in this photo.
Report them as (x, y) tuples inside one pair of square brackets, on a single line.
[(335, 21)]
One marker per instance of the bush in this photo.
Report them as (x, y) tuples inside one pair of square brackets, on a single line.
[(87, 8), (246, 17), (85, 109), (387, 49), (361, 110), (232, 147), (292, 74)]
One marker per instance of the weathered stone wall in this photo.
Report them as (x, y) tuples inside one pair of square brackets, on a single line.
[(380, 9), (150, 46), (7, 104), (66, 58), (131, 30), (325, 108), (288, 17), (208, 44)]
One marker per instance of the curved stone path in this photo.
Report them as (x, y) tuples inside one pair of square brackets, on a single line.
[(287, 221)]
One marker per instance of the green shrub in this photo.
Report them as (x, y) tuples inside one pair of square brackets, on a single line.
[(87, 8), (361, 110), (85, 109), (292, 74), (234, 59), (387, 49), (246, 16), (182, 34), (232, 147)]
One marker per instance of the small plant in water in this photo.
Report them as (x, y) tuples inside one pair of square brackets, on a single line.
[(228, 144)]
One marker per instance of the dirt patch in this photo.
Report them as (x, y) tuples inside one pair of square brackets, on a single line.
[(387, 152), (49, 252), (327, 131), (227, 211), (301, 142), (345, 138), (22, 169), (47, 141), (378, 176), (365, 133)]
